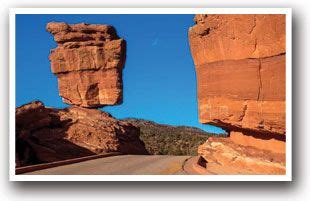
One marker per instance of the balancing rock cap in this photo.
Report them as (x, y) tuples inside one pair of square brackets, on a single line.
[(88, 63)]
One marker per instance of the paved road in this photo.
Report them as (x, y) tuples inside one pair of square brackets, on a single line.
[(122, 165)]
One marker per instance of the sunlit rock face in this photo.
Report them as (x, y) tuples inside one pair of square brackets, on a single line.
[(226, 157), (240, 68), (240, 65), (88, 63)]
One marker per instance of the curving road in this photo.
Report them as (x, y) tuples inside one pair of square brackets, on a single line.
[(122, 165)]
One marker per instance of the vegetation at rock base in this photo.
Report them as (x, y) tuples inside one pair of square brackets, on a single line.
[(160, 139)]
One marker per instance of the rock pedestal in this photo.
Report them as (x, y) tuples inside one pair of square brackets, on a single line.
[(46, 134)]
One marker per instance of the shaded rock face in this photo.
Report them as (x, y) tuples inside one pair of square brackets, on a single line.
[(88, 63), (45, 134), (240, 69)]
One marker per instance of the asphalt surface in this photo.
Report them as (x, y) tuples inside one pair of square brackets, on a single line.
[(122, 165)]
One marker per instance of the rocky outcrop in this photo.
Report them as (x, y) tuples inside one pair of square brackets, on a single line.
[(226, 157), (88, 63), (240, 69), (46, 134)]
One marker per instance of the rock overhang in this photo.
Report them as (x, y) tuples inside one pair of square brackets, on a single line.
[(240, 68), (240, 63)]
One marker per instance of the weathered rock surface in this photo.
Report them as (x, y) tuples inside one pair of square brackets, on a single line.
[(235, 37), (240, 69), (223, 156), (45, 134), (88, 62)]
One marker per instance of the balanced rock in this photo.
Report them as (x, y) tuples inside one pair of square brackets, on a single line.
[(240, 67), (88, 63), (46, 134)]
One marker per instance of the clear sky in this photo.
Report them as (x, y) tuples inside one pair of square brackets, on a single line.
[(159, 76)]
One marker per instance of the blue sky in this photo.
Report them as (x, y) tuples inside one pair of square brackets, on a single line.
[(159, 76)]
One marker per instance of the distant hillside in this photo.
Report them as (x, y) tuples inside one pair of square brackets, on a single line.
[(161, 139)]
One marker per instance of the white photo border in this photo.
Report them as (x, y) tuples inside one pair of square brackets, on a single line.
[(12, 91)]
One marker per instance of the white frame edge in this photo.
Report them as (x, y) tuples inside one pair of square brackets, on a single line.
[(12, 90)]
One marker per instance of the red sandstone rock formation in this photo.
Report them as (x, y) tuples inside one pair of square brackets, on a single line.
[(226, 157), (45, 134), (240, 68), (88, 63)]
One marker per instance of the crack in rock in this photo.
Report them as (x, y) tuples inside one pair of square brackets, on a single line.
[(245, 108), (252, 29), (260, 79)]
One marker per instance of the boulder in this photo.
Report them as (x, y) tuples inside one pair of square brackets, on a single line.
[(88, 63), (223, 156), (46, 134)]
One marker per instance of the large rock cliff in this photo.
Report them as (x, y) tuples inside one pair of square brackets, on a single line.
[(240, 69), (88, 63)]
